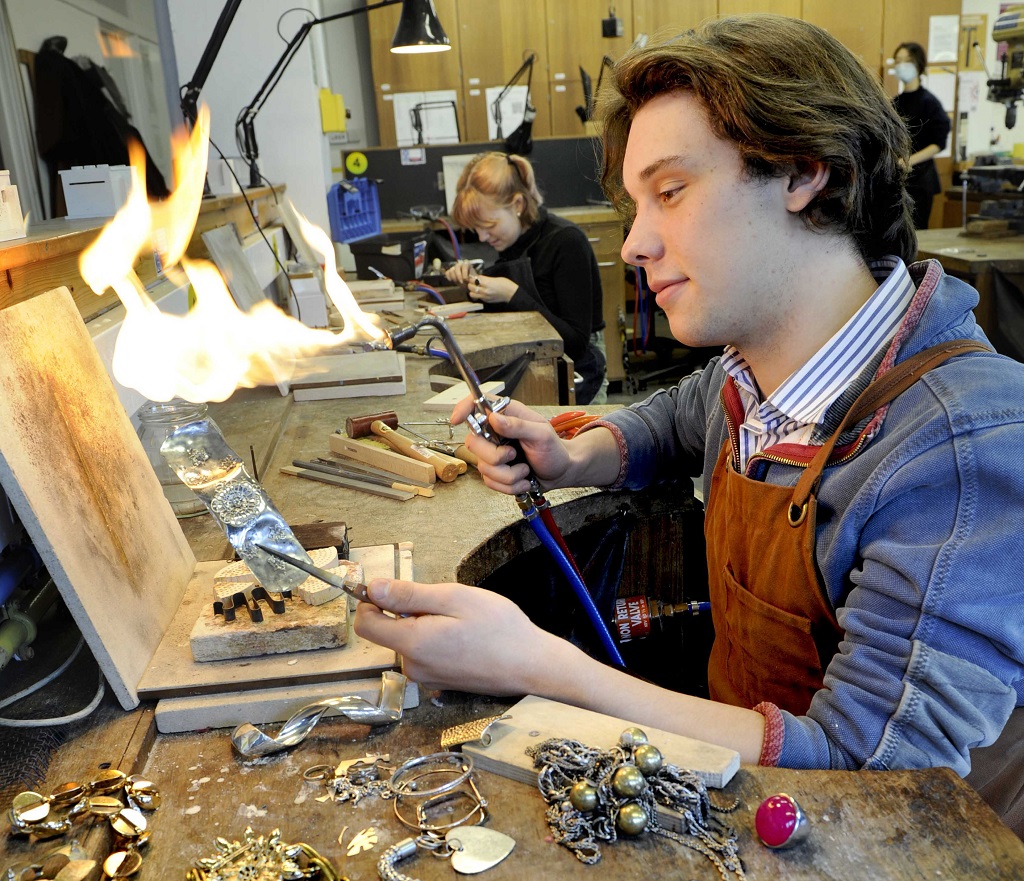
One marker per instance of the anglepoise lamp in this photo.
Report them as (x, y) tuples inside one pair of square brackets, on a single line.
[(521, 140), (418, 31)]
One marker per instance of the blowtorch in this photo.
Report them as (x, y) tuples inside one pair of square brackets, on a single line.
[(534, 506)]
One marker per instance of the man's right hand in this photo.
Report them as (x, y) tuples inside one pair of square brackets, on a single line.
[(546, 453)]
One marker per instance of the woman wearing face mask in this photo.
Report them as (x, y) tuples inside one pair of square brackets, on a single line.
[(545, 263), (928, 125)]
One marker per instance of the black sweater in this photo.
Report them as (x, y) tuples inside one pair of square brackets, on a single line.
[(563, 282), (928, 124)]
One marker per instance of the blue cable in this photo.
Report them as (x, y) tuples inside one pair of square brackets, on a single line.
[(580, 589), (432, 291), (438, 353)]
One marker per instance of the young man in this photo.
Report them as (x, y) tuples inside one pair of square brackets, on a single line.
[(866, 597)]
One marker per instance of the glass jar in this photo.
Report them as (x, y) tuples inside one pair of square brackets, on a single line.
[(156, 421)]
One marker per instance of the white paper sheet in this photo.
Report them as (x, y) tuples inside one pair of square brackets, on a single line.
[(451, 168), (439, 119), (943, 38)]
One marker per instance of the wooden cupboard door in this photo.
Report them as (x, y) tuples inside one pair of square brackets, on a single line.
[(574, 37), (606, 240), (495, 38), (858, 26), (662, 19), (565, 96), (411, 73), (792, 8)]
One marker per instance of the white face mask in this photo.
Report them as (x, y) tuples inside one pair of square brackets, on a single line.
[(905, 71)]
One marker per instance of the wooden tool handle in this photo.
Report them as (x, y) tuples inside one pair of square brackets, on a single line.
[(445, 470), (462, 452), (359, 426)]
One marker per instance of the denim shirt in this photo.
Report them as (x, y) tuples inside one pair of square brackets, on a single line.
[(918, 541)]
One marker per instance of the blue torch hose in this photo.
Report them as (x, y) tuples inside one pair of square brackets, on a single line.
[(580, 589)]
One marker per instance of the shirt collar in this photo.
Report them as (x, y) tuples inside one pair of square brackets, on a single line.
[(808, 392)]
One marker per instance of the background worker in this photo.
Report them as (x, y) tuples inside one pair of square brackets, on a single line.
[(929, 129), (545, 263), (865, 590)]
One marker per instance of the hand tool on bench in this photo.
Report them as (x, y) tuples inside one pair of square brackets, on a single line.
[(447, 468), (535, 507), (352, 588), (361, 426), (352, 474), (358, 470), (378, 457), (374, 489)]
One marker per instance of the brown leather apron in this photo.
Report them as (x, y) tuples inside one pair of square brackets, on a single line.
[(775, 628)]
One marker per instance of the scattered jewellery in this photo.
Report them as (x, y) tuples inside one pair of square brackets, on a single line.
[(354, 780), (594, 795), (262, 858), (780, 822), (69, 863), (363, 840), (39, 817), (469, 732), (437, 796)]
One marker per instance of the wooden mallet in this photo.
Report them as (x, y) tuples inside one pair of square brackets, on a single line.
[(383, 425)]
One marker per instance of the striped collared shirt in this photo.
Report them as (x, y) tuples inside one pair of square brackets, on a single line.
[(799, 404)]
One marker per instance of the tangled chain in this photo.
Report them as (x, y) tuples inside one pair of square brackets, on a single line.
[(565, 763)]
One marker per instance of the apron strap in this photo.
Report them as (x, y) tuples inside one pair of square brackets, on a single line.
[(877, 394)]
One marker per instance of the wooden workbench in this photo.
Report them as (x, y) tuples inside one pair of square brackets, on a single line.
[(972, 258), (48, 256), (893, 825)]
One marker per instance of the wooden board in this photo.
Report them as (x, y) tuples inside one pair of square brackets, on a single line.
[(367, 374), (81, 483), (226, 251), (263, 704), (534, 719), (444, 401), (373, 454), (173, 672)]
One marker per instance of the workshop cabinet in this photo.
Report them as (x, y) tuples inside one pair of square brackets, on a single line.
[(495, 38), (575, 41), (660, 19), (858, 26), (603, 229), (490, 40)]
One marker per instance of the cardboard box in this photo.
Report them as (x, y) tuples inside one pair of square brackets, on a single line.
[(12, 222), (95, 190)]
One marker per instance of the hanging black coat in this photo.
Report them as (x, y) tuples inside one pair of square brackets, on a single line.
[(77, 124)]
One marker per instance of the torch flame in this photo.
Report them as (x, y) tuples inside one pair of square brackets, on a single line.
[(216, 348)]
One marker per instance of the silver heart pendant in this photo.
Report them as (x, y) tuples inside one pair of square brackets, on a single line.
[(477, 849)]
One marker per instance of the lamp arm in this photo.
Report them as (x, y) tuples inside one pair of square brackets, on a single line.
[(515, 77), (190, 91), (245, 133)]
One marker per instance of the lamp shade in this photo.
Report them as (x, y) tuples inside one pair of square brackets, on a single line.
[(419, 30)]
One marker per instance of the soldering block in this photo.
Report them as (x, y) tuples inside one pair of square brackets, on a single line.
[(227, 580), (316, 592), (300, 627)]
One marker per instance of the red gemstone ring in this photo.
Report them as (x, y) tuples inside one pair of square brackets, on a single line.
[(780, 822)]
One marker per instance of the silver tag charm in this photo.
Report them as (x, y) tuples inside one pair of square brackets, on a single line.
[(477, 849)]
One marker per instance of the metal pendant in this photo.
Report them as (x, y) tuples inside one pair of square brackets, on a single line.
[(477, 848)]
